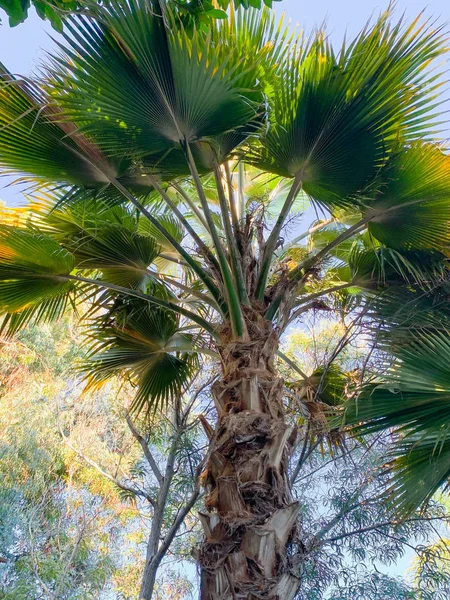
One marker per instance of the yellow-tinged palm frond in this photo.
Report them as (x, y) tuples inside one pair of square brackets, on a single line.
[(33, 268)]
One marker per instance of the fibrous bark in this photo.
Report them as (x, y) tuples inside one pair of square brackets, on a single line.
[(250, 525)]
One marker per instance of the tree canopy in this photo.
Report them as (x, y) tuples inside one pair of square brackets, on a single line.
[(193, 12)]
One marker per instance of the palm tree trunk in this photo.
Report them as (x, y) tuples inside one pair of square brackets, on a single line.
[(251, 537)]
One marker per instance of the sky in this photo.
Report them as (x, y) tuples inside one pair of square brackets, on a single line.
[(22, 48)]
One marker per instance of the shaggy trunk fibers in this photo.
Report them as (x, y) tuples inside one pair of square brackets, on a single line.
[(251, 521)]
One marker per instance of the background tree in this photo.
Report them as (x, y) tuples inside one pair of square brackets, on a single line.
[(57, 535), (168, 163), (198, 13), (69, 465), (78, 479)]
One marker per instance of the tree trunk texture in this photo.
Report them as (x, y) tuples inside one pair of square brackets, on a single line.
[(155, 554), (250, 524), (152, 561)]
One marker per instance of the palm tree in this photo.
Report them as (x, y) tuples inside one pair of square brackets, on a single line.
[(166, 168), (412, 397)]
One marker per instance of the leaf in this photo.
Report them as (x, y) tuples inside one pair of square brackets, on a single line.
[(334, 119), (33, 272), (138, 83), (46, 11), (375, 268), (104, 238), (216, 13), (320, 239), (31, 142), (416, 403), (412, 201), (143, 341), (17, 10)]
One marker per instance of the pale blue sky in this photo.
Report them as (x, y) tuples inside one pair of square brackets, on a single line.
[(23, 47)]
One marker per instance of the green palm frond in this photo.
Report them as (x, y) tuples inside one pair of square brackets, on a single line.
[(416, 403), (135, 81), (421, 466), (412, 203), (328, 386), (321, 396), (104, 238), (327, 234), (82, 222), (121, 255), (32, 141), (143, 342), (169, 223), (65, 219), (334, 119), (33, 269), (380, 267)]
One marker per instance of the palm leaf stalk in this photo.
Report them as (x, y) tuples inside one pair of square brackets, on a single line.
[(161, 157)]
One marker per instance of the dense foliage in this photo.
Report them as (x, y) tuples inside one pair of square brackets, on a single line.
[(74, 481), (192, 12)]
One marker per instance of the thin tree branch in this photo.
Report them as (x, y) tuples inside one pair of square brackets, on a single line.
[(182, 514), (312, 305), (126, 488), (145, 448), (391, 523), (328, 462), (195, 396), (241, 191), (331, 290), (303, 455), (292, 364)]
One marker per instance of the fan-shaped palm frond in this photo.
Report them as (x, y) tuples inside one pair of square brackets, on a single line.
[(380, 267), (135, 81), (49, 153), (412, 203), (143, 342), (416, 402), (33, 270), (110, 238), (335, 119)]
